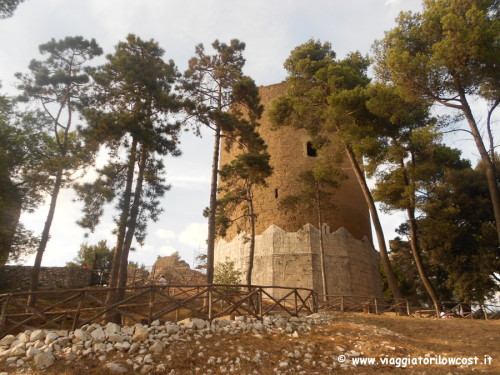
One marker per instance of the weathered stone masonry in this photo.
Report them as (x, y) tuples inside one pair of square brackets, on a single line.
[(287, 245), (19, 277)]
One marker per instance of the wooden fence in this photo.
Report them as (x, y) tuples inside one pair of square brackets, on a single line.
[(378, 305), (375, 305), (462, 310), (73, 308)]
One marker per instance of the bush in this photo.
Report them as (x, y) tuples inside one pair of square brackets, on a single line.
[(226, 273)]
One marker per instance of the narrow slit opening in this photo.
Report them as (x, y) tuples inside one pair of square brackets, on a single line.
[(311, 151)]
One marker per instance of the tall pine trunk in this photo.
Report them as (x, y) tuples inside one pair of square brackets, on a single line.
[(213, 207), (321, 244), (134, 212), (384, 256), (35, 274), (431, 291), (122, 226), (491, 172), (415, 248), (251, 254)]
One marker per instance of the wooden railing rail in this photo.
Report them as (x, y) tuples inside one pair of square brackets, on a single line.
[(375, 305), (469, 310), (380, 305), (73, 308)]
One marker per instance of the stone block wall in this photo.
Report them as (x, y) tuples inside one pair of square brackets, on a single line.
[(293, 259), (13, 278)]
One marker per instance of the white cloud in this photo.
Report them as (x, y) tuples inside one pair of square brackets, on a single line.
[(392, 2), (165, 234), (166, 250), (148, 254), (189, 182), (195, 234)]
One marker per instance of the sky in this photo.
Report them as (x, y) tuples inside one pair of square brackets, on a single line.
[(270, 29)]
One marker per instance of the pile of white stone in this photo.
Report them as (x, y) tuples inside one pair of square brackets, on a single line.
[(41, 348)]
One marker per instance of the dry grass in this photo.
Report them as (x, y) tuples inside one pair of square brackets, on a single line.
[(372, 334)]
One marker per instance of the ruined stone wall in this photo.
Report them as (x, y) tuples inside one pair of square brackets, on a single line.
[(289, 158), (19, 277), (293, 259), (176, 271)]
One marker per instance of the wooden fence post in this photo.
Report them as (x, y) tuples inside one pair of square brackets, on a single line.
[(3, 314), (260, 302), (296, 302), (77, 314), (209, 302), (151, 303)]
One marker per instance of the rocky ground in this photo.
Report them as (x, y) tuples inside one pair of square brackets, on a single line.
[(316, 344)]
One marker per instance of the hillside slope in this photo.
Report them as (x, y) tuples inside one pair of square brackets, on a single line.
[(317, 345)]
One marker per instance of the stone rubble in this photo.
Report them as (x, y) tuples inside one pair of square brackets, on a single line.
[(141, 349)]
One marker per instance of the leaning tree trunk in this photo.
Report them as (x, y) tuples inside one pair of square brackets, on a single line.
[(122, 226), (213, 208), (35, 274), (62, 148), (132, 222), (419, 263), (415, 249), (491, 173), (321, 245), (384, 256), (251, 254)]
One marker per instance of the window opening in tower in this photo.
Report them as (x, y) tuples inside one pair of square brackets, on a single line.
[(311, 151)]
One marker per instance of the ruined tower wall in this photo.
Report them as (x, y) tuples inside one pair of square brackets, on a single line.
[(289, 158), (287, 244)]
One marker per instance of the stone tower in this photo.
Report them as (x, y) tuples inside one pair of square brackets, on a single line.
[(287, 245)]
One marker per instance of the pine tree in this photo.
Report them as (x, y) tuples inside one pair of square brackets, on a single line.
[(327, 98), (448, 54), (218, 93), (413, 159), (7, 7), (128, 113), (57, 84), (460, 206), (246, 172), (25, 151)]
